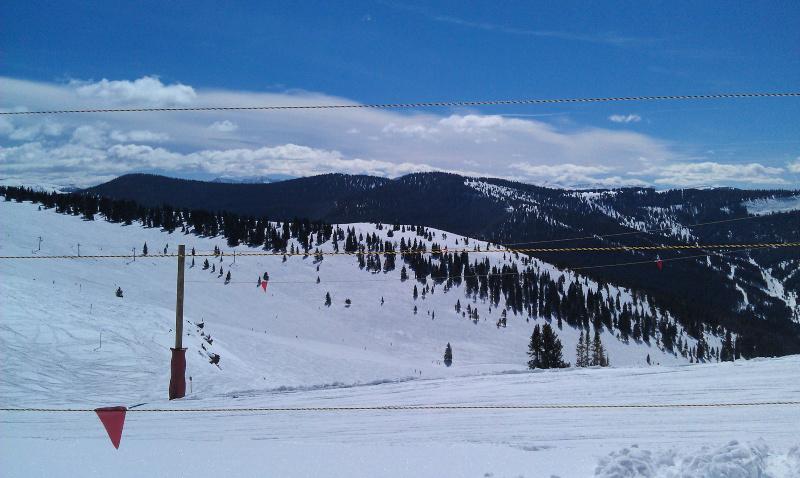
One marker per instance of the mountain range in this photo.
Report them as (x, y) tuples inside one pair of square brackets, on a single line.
[(753, 292)]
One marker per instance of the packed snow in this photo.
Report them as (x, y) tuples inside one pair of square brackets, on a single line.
[(70, 342)]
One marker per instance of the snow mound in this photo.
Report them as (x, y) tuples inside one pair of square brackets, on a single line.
[(732, 460)]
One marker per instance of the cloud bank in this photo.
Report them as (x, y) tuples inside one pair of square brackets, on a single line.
[(89, 148)]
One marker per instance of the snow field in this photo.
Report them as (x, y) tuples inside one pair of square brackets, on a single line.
[(284, 348)]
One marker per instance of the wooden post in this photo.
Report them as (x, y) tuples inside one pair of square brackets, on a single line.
[(177, 381), (179, 300)]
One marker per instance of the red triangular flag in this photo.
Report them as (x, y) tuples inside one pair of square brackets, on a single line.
[(113, 419), (264, 285), (660, 264)]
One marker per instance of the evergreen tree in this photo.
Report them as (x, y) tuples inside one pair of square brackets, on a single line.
[(228, 277), (727, 354), (205, 264), (403, 274), (552, 356), (597, 355), (327, 299), (582, 352), (448, 355), (119, 292), (144, 249), (535, 349), (415, 294)]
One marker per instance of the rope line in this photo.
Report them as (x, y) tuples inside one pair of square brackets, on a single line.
[(665, 247), (421, 407), (431, 104)]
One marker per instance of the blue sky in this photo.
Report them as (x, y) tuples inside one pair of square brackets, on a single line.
[(150, 53)]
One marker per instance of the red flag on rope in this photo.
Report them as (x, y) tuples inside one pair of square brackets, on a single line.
[(113, 419), (660, 264)]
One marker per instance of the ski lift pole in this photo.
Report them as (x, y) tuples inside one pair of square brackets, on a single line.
[(177, 380)]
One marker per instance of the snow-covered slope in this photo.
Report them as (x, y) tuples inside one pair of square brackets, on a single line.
[(772, 205), (284, 337), (283, 347)]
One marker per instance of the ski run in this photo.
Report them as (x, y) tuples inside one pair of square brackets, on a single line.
[(70, 341)]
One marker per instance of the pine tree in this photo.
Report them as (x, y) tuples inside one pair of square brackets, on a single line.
[(415, 292), (597, 355), (535, 349), (726, 354), (581, 352), (403, 274), (552, 356), (448, 355), (144, 249), (205, 264), (327, 299), (119, 292), (228, 277)]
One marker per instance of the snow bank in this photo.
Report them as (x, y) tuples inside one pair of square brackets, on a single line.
[(732, 460)]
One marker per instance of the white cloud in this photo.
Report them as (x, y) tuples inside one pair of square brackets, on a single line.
[(716, 174), (794, 166), (90, 148), (224, 126), (572, 175), (89, 135), (31, 130), (138, 136), (290, 159), (410, 130), (148, 90), (625, 118)]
